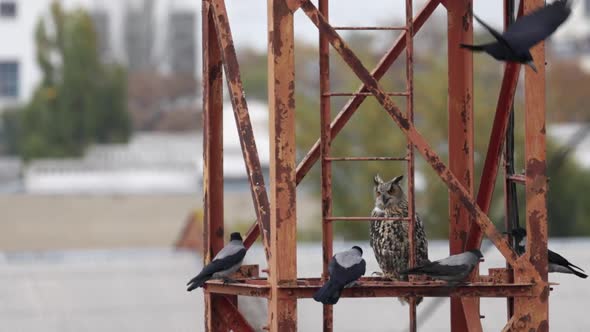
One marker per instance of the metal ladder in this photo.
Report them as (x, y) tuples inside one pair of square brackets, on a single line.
[(327, 159)]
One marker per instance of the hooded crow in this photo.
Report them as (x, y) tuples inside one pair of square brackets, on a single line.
[(345, 268), (557, 263), (514, 44), (453, 269), (227, 261)]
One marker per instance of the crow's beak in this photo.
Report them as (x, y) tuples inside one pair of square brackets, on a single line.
[(532, 65)]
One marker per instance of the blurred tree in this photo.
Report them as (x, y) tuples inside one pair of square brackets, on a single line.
[(79, 100), (162, 102), (371, 132)]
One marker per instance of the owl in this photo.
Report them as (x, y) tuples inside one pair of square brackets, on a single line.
[(389, 238)]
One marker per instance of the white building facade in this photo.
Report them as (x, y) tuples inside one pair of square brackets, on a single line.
[(19, 72)]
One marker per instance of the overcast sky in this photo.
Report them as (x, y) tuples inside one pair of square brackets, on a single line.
[(248, 17)]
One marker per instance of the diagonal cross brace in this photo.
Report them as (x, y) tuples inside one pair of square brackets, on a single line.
[(416, 138), (247, 141), (353, 104)]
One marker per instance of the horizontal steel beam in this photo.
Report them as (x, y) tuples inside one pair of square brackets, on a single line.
[(377, 287)]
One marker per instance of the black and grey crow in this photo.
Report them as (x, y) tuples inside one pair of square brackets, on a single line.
[(227, 261), (514, 44), (454, 268), (345, 268), (557, 263)]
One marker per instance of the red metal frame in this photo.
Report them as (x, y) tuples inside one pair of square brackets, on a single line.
[(276, 212)]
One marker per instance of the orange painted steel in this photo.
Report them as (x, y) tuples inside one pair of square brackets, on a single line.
[(461, 146), (244, 126), (282, 309), (276, 211), (212, 159)]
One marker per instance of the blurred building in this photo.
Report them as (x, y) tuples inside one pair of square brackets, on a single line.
[(164, 40), (151, 163), (182, 37), (572, 40)]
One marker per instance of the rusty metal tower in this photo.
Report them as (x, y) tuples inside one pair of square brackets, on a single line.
[(524, 281)]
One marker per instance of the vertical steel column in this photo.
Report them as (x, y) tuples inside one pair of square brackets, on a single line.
[(509, 185), (535, 309), (281, 93), (212, 156), (326, 141), (460, 108), (410, 149)]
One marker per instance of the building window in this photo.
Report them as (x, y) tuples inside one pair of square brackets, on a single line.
[(9, 79), (7, 9)]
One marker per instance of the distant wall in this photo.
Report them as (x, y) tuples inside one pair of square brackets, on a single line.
[(55, 222)]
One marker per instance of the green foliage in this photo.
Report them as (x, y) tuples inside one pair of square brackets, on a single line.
[(80, 100), (371, 132)]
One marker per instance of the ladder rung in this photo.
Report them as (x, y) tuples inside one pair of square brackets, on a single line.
[(350, 94), (365, 158), (366, 218), (518, 178), (399, 28)]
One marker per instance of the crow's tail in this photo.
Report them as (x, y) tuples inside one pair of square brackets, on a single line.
[(577, 267), (329, 293), (579, 274), (475, 48), (197, 282)]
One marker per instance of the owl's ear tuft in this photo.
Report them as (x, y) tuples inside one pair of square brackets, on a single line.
[(396, 180), (377, 180)]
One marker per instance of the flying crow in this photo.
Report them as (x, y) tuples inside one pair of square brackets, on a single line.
[(557, 263), (453, 269), (227, 261), (345, 268), (514, 44)]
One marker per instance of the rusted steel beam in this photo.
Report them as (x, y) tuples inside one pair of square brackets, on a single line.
[(326, 167), (518, 178), (212, 156), (242, 288), (282, 311), (367, 94), (535, 309), (494, 153), (353, 104), (244, 126), (426, 290), (367, 158), (247, 272), (410, 131), (400, 28), (461, 163), (376, 287), (410, 152), (332, 218), (230, 316)]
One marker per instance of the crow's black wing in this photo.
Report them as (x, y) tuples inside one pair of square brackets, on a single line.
[(436, 269), (342, 275), (497, 35), (223, 263), (529, 30), (556, 258)]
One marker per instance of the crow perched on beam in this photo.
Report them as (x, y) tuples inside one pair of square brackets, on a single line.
[(227, 261), (453, 269), (557, 263), (514, 44), (345, 268)]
